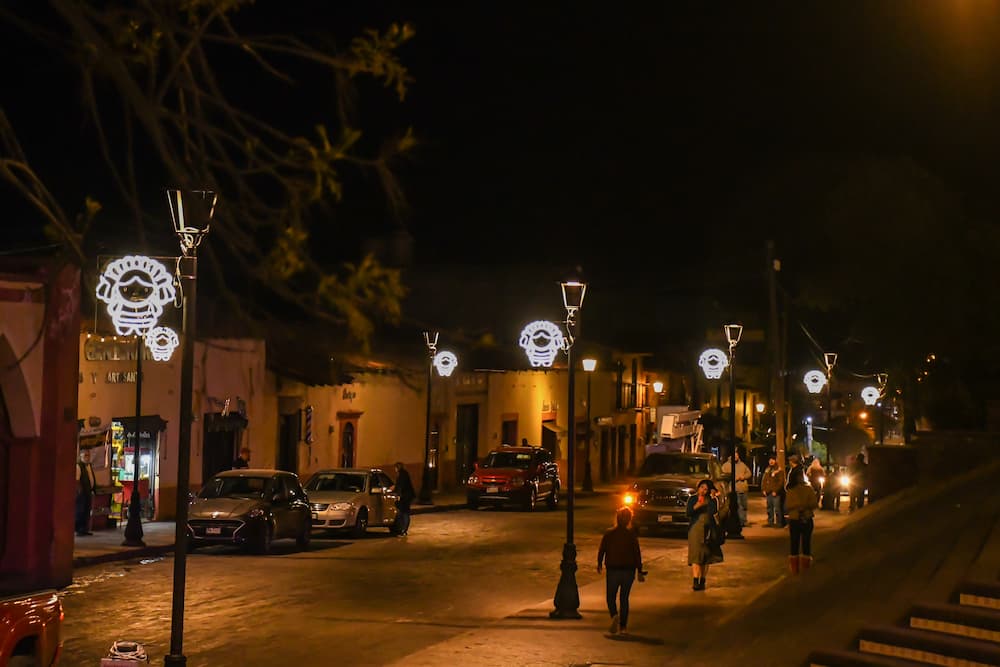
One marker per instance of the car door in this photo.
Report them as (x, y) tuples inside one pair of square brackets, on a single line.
[(279, 506), (542, 473), (389, 498), (376, 503)]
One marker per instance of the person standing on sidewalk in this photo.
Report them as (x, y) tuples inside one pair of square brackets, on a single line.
[(702, 511), (858, 473), (243, 461), (404, 487), (86, 487), (742, 485), (772, 485), (620, 552), (801, 502)]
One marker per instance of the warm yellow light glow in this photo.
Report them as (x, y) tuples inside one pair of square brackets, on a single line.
[(589, 365), (863, 415), (658, 387), (629, 499), (760, 407)]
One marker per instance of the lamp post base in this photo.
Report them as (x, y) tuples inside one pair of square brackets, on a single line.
[(133, 529), (424, 495), (567, 599), (734, 528), (174, 660)]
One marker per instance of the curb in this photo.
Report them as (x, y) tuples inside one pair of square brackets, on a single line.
[(127, 554), (428, 509)]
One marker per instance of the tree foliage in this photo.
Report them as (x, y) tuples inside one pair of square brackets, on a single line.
[(180, 94)]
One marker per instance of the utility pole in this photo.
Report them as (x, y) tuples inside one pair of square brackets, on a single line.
[(777, 367)]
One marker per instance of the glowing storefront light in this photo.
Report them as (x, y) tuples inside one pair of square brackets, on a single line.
[(541, 341), (815, 381), (870, 395), (162, 341), (713, 362), (135, 288), (445, 362)]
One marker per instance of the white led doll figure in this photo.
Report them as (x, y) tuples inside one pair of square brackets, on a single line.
[(162, 341), (445, 362), (135, 288), (541, 341)]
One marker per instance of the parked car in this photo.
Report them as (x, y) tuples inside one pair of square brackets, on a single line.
[(514, 475), (250, 507), (353, 499), (30, 626), (659, 494)]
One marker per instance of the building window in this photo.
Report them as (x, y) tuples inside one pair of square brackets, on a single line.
[(508, 432)]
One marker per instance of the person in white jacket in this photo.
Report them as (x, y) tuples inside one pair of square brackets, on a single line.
[(742, 482)]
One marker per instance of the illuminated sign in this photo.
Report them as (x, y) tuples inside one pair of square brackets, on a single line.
[(135, 288), (870, 395), (713, 361), (814, 381), (162, 341), (445, 362), (541, 341)]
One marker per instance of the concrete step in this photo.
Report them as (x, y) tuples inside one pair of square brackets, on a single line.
[(925, 646), (985, 594), (846, 658), (959, 620)]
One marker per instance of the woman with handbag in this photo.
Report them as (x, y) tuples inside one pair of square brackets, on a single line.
[(704, 533), (801, 502)]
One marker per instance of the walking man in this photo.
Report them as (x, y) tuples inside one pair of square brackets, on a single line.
[(772, 485), (404, 487), (86, 487), (857, 472), (742, 485)]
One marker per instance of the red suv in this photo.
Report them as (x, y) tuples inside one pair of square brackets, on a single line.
[(514, 475)]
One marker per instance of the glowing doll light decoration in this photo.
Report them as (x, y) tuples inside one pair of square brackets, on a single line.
[(135, 288), (815, 381), (713, 361), (541, 341), (445, 363), (870, 395), (162, 341)]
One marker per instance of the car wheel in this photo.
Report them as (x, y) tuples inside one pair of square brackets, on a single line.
[(305, 536), (553, 500), (360, 526), (266, 536), (531, 500)]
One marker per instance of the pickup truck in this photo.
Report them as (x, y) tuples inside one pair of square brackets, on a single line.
[(29, 629)]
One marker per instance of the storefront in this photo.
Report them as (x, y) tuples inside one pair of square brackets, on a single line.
[(152, 434)]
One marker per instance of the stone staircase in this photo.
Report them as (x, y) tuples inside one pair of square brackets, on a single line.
[(964, 631)]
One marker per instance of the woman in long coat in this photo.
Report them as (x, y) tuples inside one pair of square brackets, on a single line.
[(702, 509)]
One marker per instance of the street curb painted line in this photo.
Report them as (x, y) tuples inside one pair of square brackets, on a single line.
[(129, 554)]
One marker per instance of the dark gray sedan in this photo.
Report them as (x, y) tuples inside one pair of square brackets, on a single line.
[(250, 508)]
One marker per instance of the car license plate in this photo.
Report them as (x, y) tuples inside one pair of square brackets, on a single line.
[(213, 531), (315, 516), (665, 518), (492, 489)]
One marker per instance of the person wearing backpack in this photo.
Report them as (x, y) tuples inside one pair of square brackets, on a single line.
[(801, 503)]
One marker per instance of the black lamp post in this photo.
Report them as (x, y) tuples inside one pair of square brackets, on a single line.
[(567, 597), (734, 527), (883, 380), (830, 358), (588, 481), (192, 214), (133, 529)]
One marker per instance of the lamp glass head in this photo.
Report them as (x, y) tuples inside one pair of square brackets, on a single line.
[(658, 387), (733, 334), (589, 365), (830, 359), (573, 293)]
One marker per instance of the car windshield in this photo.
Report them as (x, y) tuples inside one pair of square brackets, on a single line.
[(673, 465), (235, 487), (508, 460), (337, 481)]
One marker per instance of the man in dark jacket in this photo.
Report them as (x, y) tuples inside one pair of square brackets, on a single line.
[(403, 487), (244, 459), (858, 472), (86, 487), (772, 485)]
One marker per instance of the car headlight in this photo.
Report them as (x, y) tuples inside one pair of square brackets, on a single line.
[(473, 479), (256, 513), (342, 507), (629, 500), (845, 480), (822, 480)]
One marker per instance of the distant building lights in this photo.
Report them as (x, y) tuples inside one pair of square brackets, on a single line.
[(713, 362), (541, 341), (814, 380), (445, 363)]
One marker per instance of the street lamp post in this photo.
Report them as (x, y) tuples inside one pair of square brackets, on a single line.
[(192, 214), (424, 497), (589, 365), (830, 358), (734, 527), (567, 597), (883, 380)]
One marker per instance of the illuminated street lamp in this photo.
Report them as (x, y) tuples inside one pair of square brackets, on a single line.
[(444, 362), (567, 597), (734, 529), (135, 289), (191, 213), (883, 380), (657, 387), (589, 365)]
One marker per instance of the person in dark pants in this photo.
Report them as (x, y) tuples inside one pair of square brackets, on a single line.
[(801, 502), (244, 459), (86, 487), (620, 551), (857, 472), (403, 487)]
